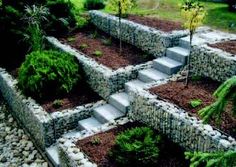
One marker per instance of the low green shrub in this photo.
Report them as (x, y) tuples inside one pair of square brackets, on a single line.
[(136, 147), (48, 73), (94, 4)]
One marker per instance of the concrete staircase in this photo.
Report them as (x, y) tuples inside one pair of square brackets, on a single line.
[(118, 104)]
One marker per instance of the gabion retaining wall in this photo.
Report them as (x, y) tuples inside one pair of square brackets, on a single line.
[(188, 132), (71, 156), (44, 128), (146, 38), (213, 63), (101, 79)]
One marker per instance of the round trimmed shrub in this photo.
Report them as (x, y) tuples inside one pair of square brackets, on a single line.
[(48, 73), (94, 4), (136, 147)]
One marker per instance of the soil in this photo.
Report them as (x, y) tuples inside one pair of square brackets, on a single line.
[(177, 93), (163, 25), (227, 46), (80, 95), (171, 156), (90, 41)]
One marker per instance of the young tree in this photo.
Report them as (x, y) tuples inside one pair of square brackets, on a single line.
[(121, 7), (193, 13)]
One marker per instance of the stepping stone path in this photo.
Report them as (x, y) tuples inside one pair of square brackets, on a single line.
[(16, 149)]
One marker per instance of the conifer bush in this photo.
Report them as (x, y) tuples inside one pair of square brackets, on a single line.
[(48, 73), (136, 147)]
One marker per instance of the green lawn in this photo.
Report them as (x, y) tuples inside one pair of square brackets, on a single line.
[(217, 17)]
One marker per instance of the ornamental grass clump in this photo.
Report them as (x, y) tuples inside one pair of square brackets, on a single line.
[(48, 73), (136, 147)]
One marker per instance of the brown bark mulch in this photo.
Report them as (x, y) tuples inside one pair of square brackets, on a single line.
[(227, 46), (163, 25), (177, 93), (89, 42), (171, 155)]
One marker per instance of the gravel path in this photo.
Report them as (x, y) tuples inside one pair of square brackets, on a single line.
[(16, 149)]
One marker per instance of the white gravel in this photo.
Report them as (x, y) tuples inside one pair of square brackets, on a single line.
[(16, 149)]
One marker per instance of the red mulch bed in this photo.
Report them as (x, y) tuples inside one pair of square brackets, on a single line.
[(111, 56), (170, 156), (177, 93), (163, 25), (227, 46), (80, 95)]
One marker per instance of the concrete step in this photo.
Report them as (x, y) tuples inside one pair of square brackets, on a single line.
[(134, 84), (167, 65), (178, 54), (150, 75), (184, 42), (120, 101), (107, 113), (89, 123), (52, 154)]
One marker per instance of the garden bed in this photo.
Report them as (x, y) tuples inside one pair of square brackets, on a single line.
[(170, 156), (227, 46), (163, 25), (105, 49), (177, 93)]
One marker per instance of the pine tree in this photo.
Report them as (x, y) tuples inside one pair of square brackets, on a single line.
[(225, 94), (218, 159)]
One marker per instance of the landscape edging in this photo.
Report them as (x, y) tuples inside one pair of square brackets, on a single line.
[(148, 39)]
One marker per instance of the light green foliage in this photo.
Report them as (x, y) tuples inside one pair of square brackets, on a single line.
[(225, 93), (96, 141), (136, 147), (57, 103), (126, 6), (219, 159), (107, 42), (83, 46), (34, 35), (98, 53), (195, 103), (81, 21), (71, 39), (48, 73)]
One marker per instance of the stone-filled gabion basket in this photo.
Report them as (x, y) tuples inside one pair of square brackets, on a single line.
[(171, 120), (43, 127), (213, 63), (148, 39)]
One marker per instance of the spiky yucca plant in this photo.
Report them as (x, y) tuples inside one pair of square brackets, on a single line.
[(225, 94)]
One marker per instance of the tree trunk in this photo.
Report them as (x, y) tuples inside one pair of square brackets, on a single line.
[(189, 60), (120, 13)]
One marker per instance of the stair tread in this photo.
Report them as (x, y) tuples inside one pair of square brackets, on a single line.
[(154, 74), (107, 112), (122, 97), (168, 62), (52, 153), (135, 83), (179, 50), (89, 123)]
